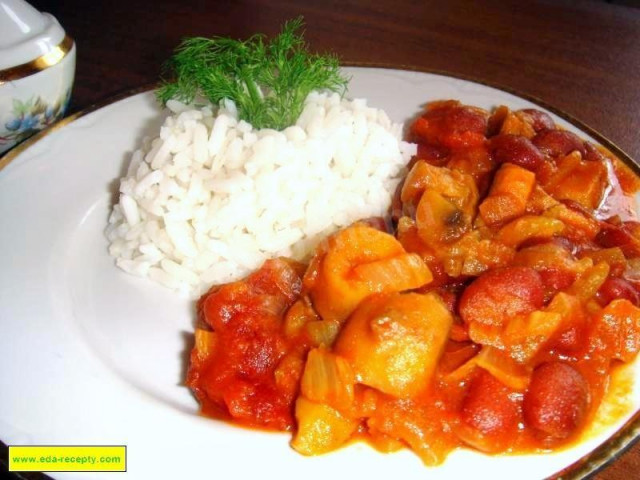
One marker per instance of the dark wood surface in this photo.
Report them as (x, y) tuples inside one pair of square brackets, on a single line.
[(582, 57), (579, 56)]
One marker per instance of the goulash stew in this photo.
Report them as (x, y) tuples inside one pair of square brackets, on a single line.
[(489, 312)]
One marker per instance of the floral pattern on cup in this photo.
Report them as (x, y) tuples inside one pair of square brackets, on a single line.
[(32, 115)]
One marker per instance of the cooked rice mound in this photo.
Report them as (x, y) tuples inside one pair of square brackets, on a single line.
[(212, 198)]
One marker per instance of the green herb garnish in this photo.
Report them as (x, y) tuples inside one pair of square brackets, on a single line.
[(267, 81)]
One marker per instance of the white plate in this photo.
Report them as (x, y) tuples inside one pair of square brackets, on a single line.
[(90, 355)]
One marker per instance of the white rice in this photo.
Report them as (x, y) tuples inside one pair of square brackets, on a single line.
[(211, 198)]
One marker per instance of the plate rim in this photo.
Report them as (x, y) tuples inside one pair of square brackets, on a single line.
[(586, 466)]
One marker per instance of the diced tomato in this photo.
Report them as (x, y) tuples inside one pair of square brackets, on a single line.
[(236, 376)]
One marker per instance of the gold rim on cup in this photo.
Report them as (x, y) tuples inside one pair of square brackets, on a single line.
[(39, 64)]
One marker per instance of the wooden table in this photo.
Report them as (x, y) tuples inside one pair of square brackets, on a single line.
[(581, 57)]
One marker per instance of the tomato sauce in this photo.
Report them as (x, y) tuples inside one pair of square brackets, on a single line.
[(234, 367)]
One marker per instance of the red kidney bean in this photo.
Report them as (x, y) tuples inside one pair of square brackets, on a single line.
[(457, 117), (497, 295), (396, 204), (612, 236), (450, 124), (467, 118), (624, 236), (592, 153), (488, 406), (563, 242), (437, 156), (379, 223), (556, 401), (538, 119), (633, 228), (556, 279), (558, 142), (515, 149), (615, 287)]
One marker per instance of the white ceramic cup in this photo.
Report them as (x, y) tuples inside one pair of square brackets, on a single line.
[(37, 67)]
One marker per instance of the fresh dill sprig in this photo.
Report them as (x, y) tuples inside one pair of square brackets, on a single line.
[(267, 81)]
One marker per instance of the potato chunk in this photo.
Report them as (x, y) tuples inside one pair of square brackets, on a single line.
[(618, 330), (528, 227), (457, 188), (394, 341), (359, 261), (320, 428)]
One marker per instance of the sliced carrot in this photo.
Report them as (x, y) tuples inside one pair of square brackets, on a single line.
[(507, 199)]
